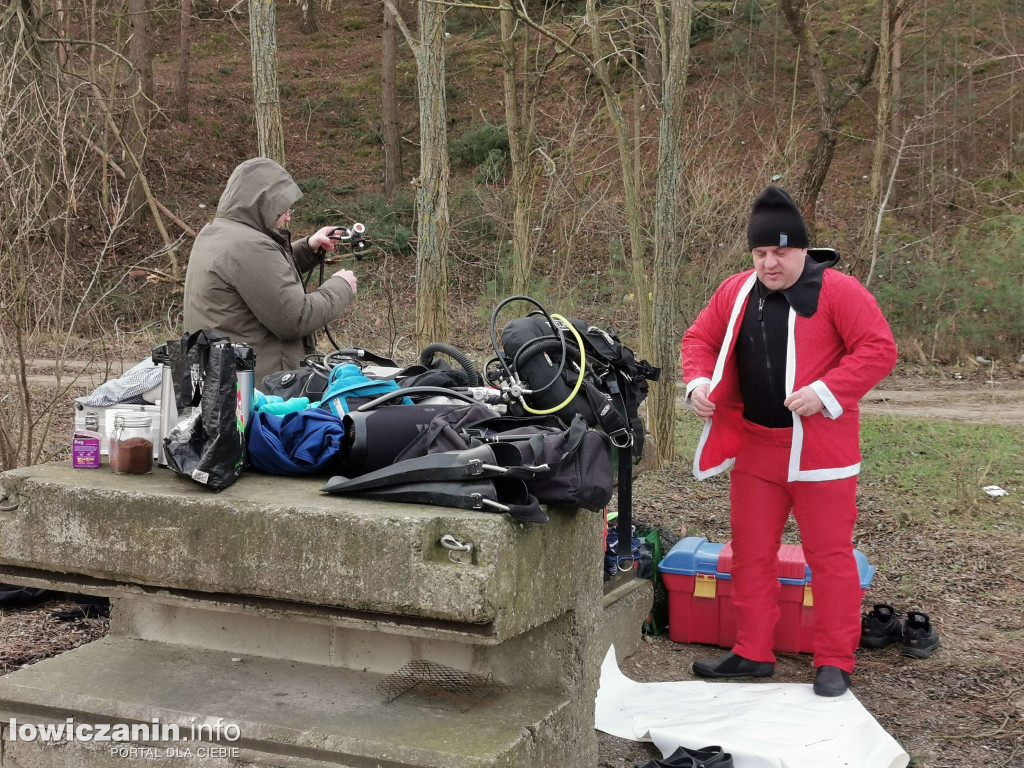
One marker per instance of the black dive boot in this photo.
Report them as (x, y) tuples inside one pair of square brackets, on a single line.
[(831, 681), (733, 665)]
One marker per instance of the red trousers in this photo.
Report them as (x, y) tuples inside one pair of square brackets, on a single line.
[(762, 499)]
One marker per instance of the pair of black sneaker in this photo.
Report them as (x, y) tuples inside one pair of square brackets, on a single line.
[(883, 626), (705, 757)]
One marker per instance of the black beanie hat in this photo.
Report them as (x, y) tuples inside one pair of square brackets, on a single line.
[(775, 220)]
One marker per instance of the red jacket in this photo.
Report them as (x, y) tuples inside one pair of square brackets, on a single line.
[(841, 351)]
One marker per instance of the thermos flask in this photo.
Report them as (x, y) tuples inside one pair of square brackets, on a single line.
[(245, 367), (168, 405)]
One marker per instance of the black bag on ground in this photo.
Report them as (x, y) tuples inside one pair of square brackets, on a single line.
[(614, 381), (577, 460), (209, 445)]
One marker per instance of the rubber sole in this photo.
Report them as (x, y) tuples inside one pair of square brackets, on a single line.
[(919, 653), (879, 642)]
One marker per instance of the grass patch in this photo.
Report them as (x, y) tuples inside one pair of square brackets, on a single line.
[(919, 468)]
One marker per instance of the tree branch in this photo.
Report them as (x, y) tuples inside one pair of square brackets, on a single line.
[(413, 43)]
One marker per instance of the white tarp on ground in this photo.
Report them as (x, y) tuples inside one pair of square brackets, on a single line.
[(763, 725)]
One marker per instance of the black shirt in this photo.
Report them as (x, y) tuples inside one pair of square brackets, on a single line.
[(763, 337)]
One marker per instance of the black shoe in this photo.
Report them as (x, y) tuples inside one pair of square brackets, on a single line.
[(831, 681), (881, 627), (919, 636), (733, 665), (705, 757)]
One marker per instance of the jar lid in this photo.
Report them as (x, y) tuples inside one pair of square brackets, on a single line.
[(127, 420)]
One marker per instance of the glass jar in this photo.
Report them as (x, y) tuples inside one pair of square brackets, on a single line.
[(131, 444)]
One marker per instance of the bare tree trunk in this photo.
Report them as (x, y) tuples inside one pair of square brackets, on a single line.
[(668, 218), (639, 97), (432, 193), (654, 33), (879, 161), (308, 16), (831, 103), (897, 69), (62, 31), (184, 63), (139, 49), (389, 105), (141, 56), (519, 153), (267, 99), (634, 220)]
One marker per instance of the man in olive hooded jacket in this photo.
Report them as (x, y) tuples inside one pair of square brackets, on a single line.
[(243, 279)]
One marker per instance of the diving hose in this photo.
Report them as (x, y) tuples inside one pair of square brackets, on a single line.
[(427, 357)]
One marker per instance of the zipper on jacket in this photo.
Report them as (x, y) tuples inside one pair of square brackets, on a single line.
[(764, 346)]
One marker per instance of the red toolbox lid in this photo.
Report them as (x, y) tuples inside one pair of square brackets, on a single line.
[(793, 568)]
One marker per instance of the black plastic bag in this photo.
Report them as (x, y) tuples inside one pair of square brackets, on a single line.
[(209, 445)]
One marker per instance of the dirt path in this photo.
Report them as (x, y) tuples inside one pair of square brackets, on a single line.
[(986, 405)]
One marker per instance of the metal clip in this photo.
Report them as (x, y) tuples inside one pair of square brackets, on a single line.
[(453, 546), (619, 435)]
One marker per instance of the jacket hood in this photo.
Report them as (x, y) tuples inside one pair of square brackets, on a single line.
[(257, 193)]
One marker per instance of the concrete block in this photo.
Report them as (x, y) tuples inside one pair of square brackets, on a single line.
[(280, 538)]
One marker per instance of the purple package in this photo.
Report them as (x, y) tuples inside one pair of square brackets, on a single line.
[(85, 449)]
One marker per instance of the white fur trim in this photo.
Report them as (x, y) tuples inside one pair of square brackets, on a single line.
[(692, 386), (833, 409), (738, 306), (832, 473), (797, 449)]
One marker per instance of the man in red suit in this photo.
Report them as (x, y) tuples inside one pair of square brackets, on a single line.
[(776, 365)]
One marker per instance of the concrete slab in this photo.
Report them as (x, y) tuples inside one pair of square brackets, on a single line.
[(288, 714), (280, 538), (557, 655), (623, 610)]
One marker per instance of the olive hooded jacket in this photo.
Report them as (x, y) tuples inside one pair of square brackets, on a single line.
[(243, 279)]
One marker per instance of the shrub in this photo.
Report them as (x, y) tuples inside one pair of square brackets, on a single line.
[(966, 299), (475, 147)]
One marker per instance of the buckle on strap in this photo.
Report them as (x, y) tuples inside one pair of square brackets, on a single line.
[(621, 438)]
